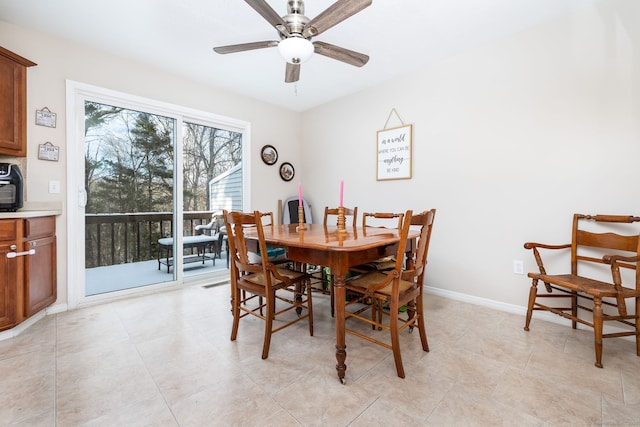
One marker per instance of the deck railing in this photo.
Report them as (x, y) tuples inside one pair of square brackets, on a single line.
[(122, 238)]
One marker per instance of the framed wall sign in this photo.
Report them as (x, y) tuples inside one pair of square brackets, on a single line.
[(46, 118), (394, 153), (48, 151)]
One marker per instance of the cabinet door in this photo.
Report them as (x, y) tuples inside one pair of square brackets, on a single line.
[(12, 107), (40, 275), (8, 287)]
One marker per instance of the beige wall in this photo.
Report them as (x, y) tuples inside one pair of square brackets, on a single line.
[(509, 141), (59, 60)]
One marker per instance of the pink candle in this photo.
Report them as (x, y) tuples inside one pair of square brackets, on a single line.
[(299, 194), (341, 192)]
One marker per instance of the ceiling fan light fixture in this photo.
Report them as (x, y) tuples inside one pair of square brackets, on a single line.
[(295, 50)]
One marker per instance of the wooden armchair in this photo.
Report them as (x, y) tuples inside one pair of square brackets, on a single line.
[(597, 243), (401, 286), (256, 286)]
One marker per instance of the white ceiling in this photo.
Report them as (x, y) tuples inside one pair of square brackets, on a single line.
[(178, 36)]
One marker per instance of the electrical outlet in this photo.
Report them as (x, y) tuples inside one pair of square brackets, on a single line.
[(518, 266)]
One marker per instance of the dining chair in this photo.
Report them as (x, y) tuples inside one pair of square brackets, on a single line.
[(333, 212), (256, 286), (326, 278), (275, 254), (380, 219), (398, 287)]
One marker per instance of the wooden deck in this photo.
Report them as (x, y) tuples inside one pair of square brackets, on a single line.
[(100, 280)]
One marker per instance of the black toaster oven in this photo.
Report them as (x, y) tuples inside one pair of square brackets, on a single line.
[(11, 183)]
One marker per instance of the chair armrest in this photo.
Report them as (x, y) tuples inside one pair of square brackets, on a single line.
[(536, 255), (615, 259), (532, 245)]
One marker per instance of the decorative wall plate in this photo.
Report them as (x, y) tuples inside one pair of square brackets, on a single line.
[(269, 154), (287, 171)]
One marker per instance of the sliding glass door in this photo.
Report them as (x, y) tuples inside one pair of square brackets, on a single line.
[(129, 182), (138, 231)]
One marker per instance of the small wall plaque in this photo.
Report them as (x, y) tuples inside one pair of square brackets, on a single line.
[(46, 118), (48, 151)]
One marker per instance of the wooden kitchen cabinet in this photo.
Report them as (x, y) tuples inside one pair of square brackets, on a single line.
[(9, 301), (13, 103), (27, 280), (40, 277)]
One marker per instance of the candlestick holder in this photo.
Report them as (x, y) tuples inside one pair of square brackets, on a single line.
[(301, 226), (342, 229)]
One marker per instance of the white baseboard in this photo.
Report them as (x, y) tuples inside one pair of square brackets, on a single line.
[(57, 308), (17, 330), (517, 309)]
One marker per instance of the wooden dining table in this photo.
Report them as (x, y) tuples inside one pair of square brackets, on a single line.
[(325, 246)]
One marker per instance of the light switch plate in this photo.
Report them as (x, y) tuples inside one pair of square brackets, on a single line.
[(54, 187)]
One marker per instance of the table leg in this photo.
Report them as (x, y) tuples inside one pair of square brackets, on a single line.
[(339, 295)]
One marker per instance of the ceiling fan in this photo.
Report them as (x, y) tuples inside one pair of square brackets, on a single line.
[(296, 30)]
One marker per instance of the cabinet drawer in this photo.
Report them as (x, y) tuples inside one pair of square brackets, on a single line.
[(37, 227), (9, 229)]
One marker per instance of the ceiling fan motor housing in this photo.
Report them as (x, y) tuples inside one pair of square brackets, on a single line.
[(296, 21)]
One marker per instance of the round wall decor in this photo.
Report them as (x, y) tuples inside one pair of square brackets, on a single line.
[(269, 154), (287, 171)]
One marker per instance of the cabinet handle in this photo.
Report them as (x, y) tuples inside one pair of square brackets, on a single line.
[(16, 254)]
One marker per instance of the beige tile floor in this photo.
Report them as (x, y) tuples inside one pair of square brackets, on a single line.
[(166, 360)]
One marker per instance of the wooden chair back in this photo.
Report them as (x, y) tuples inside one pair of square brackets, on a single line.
[(377, 219), (608, 243), (237, 224), (266, 218), (404, 225), (395, 274), (417, 262), (353, 213)]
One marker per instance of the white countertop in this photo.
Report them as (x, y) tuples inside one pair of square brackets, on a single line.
[(23, 213), (34, 210)]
